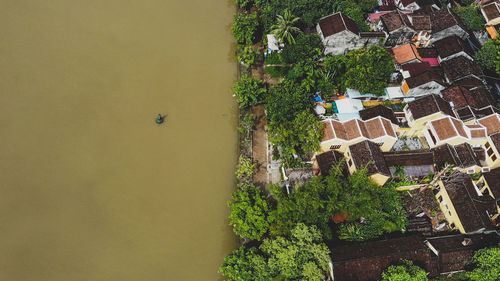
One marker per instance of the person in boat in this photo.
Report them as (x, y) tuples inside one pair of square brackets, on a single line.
[(159, 119)]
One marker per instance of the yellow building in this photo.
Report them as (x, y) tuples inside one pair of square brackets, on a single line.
[(465, 207), (339, 135), (423, 110), (367, 153), (449, 130)]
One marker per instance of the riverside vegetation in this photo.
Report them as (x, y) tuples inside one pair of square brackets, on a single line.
[(284, 234)]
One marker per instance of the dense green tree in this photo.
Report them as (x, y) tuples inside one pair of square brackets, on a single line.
[(299, 137), (247, 55), (302, 256), (367, 5), (312, 77), (354, 11), (286, 100), (305, 47), (250, 212), (309, 11), (487, 56), (249, 91), (244, 170), (487, 265), (404, 271), (245, 27), (245, 264), (471, 17), (335, 66), (244, 4), (285, 29), (368, 70)]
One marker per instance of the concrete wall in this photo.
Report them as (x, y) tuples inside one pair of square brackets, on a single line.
[(451, 31), (431, 87)]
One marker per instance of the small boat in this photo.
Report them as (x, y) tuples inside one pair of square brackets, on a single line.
[(159, 119)]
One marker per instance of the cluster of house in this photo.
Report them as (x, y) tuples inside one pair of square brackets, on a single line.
[(449, 122)]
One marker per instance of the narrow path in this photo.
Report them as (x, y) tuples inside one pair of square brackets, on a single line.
[(259, 146)]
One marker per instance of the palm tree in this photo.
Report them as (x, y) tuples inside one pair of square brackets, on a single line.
[(285, 28)]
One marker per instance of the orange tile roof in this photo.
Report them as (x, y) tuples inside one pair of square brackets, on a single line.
[(492, 123), (406, 53), (444, 128)]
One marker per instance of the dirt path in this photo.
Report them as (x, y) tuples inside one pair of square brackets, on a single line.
[(259, 147)]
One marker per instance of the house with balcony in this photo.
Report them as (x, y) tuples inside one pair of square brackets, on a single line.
[(423, 110), (450, 130)]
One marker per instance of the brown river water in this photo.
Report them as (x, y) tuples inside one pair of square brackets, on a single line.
[(90, 187)]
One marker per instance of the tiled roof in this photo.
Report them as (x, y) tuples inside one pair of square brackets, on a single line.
[(492, 123), (428, 105), (409, 158), (460, 67), (462, 155), (421, 22), (367, 153), (493, 180), (395, 20), (469, 82), (423, 78), (467, 113), (378, 110), (336, 23), (495, 138), (492, 11), (451, 45), (458, 95), (406, 53), (416, 67), (470, 207), (444, 128), (444, 19), (327, 160), (355, 128), (428, 52)]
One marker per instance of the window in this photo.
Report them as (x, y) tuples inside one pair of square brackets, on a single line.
[(487, 145), (490, 151), (449, 213), (452, 225), (349, 162), (335, 146), (494, 157), (440, 198), (432, 137)]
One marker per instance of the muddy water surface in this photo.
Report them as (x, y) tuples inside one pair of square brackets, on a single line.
[(90, 187)]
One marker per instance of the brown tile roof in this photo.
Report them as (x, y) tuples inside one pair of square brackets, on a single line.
[(470, 207), (366, 261), (493, 180), (355, 128), (492, 123), (351, 129), (365, 132), (327, 160), (495, 138), (371, 34), (421, 22), (459, 126), (336, 23), (477, 131), (368, 153), (444, 128), (388, 128), (328, 133), (416, 67), (423, 78), (467, 113), (444, 19), (378, 110), (461, 97), (469, 82), (428, 105), (492, 11), (409, 158), (451, 45), (406, 53), (395, 20), (339, 130), (460, 67), (481, 97), (428, 52)]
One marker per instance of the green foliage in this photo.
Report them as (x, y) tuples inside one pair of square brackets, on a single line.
[(368, 70), (276, 71), (300, 257), (355, 12), (367, 5), (309, 11), (249, 91), (284, 28), (380, 207), (471, 17), (405, 271), (335, 65), (244, 170), (305, 47), (300, 136), (286, 100), (273, 58), (249, 212), (245, 264), (311, 77), (247, 55), (244, 4), (244, 28), (487, 262), (246, 124), (487, 56)]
